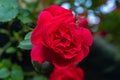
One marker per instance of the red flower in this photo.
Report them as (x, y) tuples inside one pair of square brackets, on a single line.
[(72, 73), (58, 39), (82, 22)]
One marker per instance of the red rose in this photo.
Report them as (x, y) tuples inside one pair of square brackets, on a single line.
[(72, 73), (58, 39), (82, 22)]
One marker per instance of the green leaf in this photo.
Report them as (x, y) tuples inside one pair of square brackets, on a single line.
[(8, 10), (45, 67), (17, 73), (27, 36), (4, 73), (25, 19), (58, 2), (24, 16), (37, 66), (6, 63), (40, 78), (25, 44), (10, 50)]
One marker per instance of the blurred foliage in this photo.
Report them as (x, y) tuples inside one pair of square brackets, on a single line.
[(9, 71), (17, 20), (8, 8), (110, 23), (26, 44)]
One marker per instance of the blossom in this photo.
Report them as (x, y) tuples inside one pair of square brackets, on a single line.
[(58, 39)]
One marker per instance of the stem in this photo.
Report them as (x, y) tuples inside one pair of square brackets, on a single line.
[(30, 73), (4, 48)]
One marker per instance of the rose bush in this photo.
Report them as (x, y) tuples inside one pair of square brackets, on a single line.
[(72, 73), (58, 39)]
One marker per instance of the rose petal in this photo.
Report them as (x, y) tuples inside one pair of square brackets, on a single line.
[(68, 73), (82, 21), (57, 10), (61, 62), (83, 53), (41, 53), (37, 54), (87, 36), (43, 18)]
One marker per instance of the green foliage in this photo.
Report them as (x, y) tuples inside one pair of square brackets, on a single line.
[(46, 67), (58, 2), (4, 73), (110, 23), (97, 3), (16, 73), (40, 78), (24, 16), (28, 35), (8, 10), (10, 71), (6, 63), (10, 50), (26, 43)]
